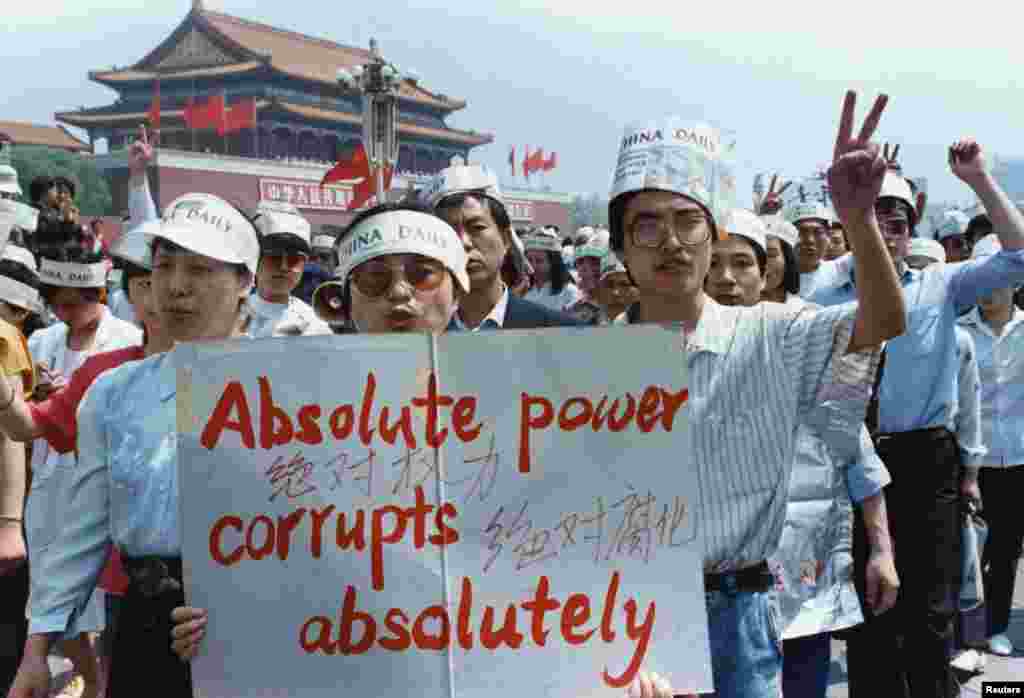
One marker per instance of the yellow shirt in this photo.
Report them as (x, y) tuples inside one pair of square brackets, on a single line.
[(15, 358)]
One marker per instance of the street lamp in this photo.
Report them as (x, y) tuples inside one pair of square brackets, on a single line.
[(379, 82)]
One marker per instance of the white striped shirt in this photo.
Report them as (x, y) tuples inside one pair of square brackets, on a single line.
[(754, 374)]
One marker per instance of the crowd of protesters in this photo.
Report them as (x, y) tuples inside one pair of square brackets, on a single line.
[(856, 502)]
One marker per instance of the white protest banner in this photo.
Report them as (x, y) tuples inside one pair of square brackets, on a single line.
[(481, 514)]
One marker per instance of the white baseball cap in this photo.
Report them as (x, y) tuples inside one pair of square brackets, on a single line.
[(278, 220), (21, 255), (987, 246), (9, 180), (748, 225), (543, 239), (809, 210), (323, 242), (953, 223), (461, 179), (678, 156), (403, 232), (779, 227), (926, 247), (133, 245), (896, 187), (206, 224)]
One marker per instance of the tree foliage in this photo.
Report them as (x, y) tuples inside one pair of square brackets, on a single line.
[(92, 189)]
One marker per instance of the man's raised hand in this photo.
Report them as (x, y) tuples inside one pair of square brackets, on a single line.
[(858, 166)]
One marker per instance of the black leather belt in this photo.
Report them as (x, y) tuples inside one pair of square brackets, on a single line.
[(929, 434), (756, 578)]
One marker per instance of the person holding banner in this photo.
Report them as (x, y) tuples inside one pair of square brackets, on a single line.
[(812, 564), (123, 490), (552, 283), (907, 652), (469, 199), (671, 193)]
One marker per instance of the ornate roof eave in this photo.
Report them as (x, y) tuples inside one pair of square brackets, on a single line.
[(126, 77)]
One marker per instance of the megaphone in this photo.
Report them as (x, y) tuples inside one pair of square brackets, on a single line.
[(327, 302)]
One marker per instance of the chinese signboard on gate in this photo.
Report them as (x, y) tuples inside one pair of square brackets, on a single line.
[(305, 194), (386, 514), (519, 211)]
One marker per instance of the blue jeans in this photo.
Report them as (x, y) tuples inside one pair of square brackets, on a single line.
[(746, 644), (806, 666)]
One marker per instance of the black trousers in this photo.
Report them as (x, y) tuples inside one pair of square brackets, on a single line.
[(13, 624), (1001, 490), (142, 660), (905, 652)]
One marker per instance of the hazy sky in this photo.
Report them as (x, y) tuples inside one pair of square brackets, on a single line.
[(568, 75)]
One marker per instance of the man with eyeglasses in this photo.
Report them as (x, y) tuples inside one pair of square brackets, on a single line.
[(754, 373), (284, 250), (905, 653)]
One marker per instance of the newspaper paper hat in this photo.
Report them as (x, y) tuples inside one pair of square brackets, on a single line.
[(748, 225), (926, 247), (323, 242), (808, 211), (544, 239), (461, 179), (611, 264), (597, 246), (282, 221), (779, 227), (987, 246), (206, 224), (9, 180), (896, 187), (73, 274), (15, 292), (8, 220), (681, 157), (953, 223), (403, 232), (133, 246)]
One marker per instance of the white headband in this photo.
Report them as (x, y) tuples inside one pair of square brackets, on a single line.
[(403, 232), (543, 241), (16, 293), (71, 275), (323, 242)]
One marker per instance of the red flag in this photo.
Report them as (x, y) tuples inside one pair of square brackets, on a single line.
[(512, 160), (154, 108), (551, 162), (189, 113), (351, 171), (207, 115), (536, 160), (240, 116)]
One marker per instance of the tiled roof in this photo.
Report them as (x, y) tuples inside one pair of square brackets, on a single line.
[(131, 75), (21, 133)]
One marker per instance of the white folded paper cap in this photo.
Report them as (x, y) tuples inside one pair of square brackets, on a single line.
[(597, 246), (206, 224), (584, 233), (747, 224), (926, 247), (987, 246), (133, 245), (780, 228), (677, 156), (461, 179), (611, 264), (807, 211), (277, 218), (21, 255), (73, 274), (9, 180), (323, 242), (953, 223), (896, 187), (403, 232), (543, 239)]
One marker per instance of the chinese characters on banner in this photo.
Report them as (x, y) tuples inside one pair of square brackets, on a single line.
[(399, 518), (306, 194)]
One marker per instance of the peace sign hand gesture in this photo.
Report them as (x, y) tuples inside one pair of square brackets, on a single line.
[(140, 153), (890, 158), (772, 201), (858, 168)]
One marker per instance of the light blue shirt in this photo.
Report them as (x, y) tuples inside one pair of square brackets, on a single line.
[(124, 490), (1001, 365), (919, 384)]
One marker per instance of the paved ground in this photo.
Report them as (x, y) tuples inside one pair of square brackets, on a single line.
[(996, 669)]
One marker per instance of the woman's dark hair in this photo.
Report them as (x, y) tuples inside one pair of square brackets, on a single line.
[(19, 272), (63, 242), (60, 181), (39, 186), (790, 270), (498, 213), (559, 272)]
